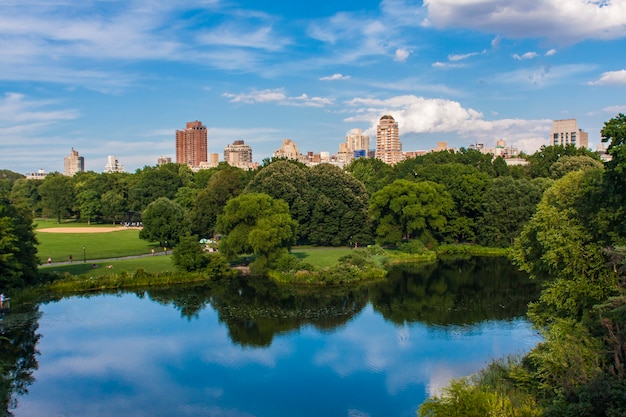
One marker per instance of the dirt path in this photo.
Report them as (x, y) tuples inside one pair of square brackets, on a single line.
[(85, 229)]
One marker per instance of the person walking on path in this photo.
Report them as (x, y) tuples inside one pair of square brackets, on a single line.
[(152, 251), (70, 258), (49, 260)]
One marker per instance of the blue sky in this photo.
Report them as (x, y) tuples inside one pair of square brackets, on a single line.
[(119, 77)]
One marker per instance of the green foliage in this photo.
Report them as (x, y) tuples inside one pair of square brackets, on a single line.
[(18, 252), (163, 221), (57, 196), (404, 209), (541, 161), (507, 206), (209, 203), (568, 358), (152, 183), (338, 209), (372, 172), (463, 399), (567, 164), (255, 223), (189, 256)]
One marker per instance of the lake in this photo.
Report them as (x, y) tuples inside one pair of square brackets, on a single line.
[(248, 347)]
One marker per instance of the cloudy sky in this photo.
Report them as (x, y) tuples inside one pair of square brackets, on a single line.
[(119, 77)]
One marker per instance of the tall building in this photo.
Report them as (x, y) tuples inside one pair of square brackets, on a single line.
[(388, 146), (566, 132), (73, 164), (113, 165), (238, 155), (191, 144), (357, 144)]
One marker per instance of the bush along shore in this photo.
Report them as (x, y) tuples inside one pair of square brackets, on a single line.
[(362, 265)]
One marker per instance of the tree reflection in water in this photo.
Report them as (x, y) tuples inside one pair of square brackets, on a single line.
[(255, 309), (18, 341)]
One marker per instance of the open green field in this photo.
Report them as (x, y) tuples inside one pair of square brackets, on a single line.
[(320, 257), (59, 246), (151, 264)]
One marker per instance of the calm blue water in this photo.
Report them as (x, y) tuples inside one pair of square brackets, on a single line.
[(146, 355)]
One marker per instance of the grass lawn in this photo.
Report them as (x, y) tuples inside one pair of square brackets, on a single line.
[(320, 257), (59, 246), (151, 264)]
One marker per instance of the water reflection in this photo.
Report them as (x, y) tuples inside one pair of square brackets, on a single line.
[(250, 347)]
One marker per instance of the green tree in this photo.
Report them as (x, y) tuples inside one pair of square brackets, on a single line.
[(154, 182), (508, 205), (339, 210), (89, 204), (614, 132), (405, 209), (372, 172), (288, 181), (256, 223), (163, 221), (567, 164), (18, 250), (209, 203), (557, 246), (26, 192), (189, 255), (541, 161), (113, 206), (57, 195)]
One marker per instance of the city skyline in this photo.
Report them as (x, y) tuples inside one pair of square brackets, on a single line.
[(119, 78)]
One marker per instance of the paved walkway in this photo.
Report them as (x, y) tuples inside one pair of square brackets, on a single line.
[(93, 261)]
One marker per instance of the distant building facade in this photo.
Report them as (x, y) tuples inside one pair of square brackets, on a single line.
[(39, 175), (289, 150), (113, 165), (566, 132), (164, 160), (73, 164), (357, 145), (388, 146), (239, 155), (192, 144)]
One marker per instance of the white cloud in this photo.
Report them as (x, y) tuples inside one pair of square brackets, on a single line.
[(611, 78), (549, 19), (461, 57), (419, 115), (335, 77), (527, 55), (550, 52), (279, 97), (233, 35), (543, 75), (615, 109), (402, 54)]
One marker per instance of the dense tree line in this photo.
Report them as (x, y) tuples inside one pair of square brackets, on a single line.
[(441, 197)]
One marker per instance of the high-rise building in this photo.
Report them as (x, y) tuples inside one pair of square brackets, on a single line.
[(238, 155), (113, 165), (566, 132), (357, 144), (73, 164), (191, 144), (388, 146), (357, 141)]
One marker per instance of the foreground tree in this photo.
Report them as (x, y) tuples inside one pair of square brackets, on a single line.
[(256, 223), (18, 251), (163, 221)]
